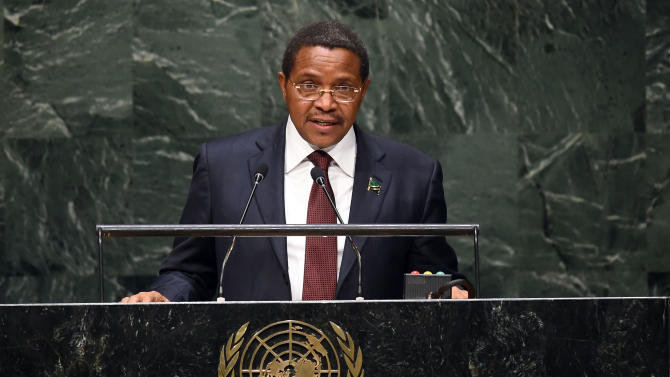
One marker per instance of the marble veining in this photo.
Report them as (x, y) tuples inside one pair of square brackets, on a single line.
[(478, 338), (550, 120), (657, 55)]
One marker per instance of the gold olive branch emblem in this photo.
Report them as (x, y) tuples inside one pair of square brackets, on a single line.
[(353, 359), (230, 353)]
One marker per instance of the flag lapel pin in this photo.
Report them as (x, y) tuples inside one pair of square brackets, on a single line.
[(374, 186)]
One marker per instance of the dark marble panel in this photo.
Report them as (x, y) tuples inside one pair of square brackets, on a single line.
[(2, 34), (2, 170), (586, 203), (658, 65), (480, 179), (59, 190), (66, 68), (447, 76), (610, 337), (60, 285), (3, 206), (463, 66), (195, 67), (656, 223), (659, 283), (480, 175)]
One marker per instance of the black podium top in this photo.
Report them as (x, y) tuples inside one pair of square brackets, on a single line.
[(495, 337)]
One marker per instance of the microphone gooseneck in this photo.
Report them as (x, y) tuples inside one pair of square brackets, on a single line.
[(318, 177), (259, 174)]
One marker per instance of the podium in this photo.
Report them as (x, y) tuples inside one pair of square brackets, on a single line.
[(492, 337)]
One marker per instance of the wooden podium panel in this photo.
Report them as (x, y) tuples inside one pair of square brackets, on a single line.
[(515, 337)]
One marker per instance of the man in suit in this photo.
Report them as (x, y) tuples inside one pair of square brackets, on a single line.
[(324, 79)]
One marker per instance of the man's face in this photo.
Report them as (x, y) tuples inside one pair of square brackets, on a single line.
[(323, 122)]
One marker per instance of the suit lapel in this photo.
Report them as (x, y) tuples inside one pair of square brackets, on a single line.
[(269, 196), (365, 204)]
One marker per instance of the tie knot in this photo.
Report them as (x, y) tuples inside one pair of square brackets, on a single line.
[(320, 159)]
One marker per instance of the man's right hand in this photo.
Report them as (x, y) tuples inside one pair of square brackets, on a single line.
[(152, 296)]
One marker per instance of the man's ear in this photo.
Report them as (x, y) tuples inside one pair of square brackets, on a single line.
[(365, 88), (282, 83)]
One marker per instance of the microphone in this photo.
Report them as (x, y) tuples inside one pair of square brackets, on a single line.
[(259, 175), (318, 177)]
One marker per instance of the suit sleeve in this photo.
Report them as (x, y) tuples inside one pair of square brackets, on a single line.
[(189, 271), (433, 253)]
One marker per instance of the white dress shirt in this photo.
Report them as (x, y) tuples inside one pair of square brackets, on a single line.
[(297, 186)]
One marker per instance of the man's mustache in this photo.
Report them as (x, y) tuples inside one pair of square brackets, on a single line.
[(325, 117)]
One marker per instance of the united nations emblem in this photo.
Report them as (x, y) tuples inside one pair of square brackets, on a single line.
[(290, 349)]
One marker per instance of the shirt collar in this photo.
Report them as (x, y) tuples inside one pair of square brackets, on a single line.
[(297, 150)]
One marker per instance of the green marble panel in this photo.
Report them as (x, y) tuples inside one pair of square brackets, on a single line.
[(3, 205), (656, 214), (195, 67), (480, 176), (3, 216), (49, 287), (528, 66), (658, 65), (585, 203), (536, 110), (59, 190), (2, 34), (67, 68)]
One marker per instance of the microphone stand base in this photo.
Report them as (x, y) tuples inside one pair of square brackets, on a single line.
[(220, 299), (360, 298)]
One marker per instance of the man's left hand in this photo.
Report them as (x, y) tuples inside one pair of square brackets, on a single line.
[(458, 293)]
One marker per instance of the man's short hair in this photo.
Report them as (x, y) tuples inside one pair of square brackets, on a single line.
[(328, 34)]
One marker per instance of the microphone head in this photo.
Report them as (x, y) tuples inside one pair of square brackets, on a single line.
[(317, 173), (261, 171)]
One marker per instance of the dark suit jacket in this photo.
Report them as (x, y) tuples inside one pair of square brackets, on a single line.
[(411, 192)]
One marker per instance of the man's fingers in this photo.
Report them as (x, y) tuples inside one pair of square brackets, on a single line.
[(152, 296), (458, 293)]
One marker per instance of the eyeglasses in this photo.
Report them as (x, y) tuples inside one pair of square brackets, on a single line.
[(312, 92)]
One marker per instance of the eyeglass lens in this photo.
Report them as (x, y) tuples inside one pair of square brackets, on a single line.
[(339, 93)]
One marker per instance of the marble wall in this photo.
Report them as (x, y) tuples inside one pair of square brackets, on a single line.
[(551, 119)]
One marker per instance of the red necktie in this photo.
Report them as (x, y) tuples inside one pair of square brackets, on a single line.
[(320, 281)]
